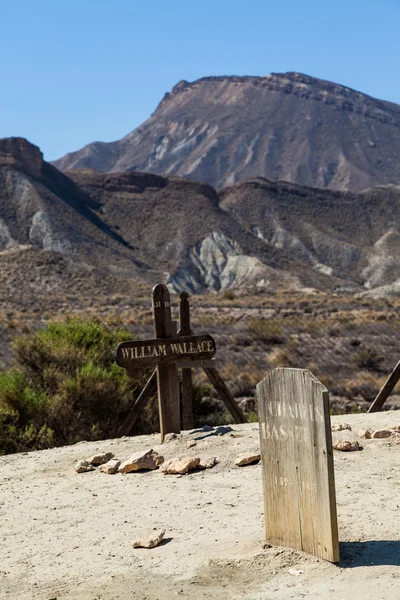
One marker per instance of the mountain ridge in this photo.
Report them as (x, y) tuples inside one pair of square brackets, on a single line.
[(144, 227), (290, 126)]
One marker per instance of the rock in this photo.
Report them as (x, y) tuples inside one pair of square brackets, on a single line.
[(366, 434), (340, 427), (83, 466), (150, 541), (100, 459), (296, 572), (381, 433), (191, 444), (396, 428), (171, 436), (110, 467), (208, 463), (345, 445), (207, 428), (142, 460), (247, 458), (180, 466)]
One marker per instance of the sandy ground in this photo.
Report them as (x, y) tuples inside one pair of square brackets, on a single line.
[(64, 535)]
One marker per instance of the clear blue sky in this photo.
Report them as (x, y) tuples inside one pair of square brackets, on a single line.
[(76, 71)]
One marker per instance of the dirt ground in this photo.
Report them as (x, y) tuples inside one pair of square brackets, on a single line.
[(65, 535)]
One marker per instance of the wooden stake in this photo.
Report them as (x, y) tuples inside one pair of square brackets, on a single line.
[(225, 395), (387, 389), (167, 375), (147, 392), (187, 384)]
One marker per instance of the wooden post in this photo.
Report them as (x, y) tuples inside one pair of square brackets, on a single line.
[(167, 374), (147, 392), (297, 463), (225, 394), (387, 389), (187, 385)]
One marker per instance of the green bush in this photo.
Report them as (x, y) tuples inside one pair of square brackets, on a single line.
[(368, 359), (65, 386)]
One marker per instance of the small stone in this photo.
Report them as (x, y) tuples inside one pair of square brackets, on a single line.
[(100, 459), (366, 434), (295, 572), (345, 445), (340, 427), (83, 466), (168, 437), (142, 460), (381, 433), (207, 428), (110, 467), (247, 458), (180, 466), (396, 428), (191, 444), (150, 541), (208, 463)]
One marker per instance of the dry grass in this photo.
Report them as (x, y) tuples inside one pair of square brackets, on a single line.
[(255, 332)]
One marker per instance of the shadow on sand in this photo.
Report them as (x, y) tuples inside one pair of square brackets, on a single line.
[(363, 554)]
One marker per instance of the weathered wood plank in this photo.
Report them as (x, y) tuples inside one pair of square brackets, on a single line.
[(147, 392), (225, 394), (186, 383), (212, 363), (297, 461), (167, 374), (139, 353), (386, 390)]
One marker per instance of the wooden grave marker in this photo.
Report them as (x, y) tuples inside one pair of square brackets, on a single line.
[(187, 384), (168, 351), (297, 463)]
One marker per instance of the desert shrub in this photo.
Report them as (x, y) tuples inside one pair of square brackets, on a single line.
[(207, 408), (267, 331), (368, 359), (64, 386), (228, 295)]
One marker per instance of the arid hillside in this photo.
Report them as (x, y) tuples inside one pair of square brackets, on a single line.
[(287, 126), (119, 228)]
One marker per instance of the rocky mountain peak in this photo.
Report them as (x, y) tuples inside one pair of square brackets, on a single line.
[(28, 155), (283, 126)]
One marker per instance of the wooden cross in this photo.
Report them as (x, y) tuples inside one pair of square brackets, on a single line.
[(168, 351)]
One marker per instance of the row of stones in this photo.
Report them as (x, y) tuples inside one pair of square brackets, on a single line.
[(149, 460), (366, 434)]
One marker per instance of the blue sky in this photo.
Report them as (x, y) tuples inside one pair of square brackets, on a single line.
[(77, 71)]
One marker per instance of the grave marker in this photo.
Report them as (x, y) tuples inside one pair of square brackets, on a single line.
[(166, 353), (297, 463)]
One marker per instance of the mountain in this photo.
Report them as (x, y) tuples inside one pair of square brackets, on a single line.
[(88, 232), (290, 127)]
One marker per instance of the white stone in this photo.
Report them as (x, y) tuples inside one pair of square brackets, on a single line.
[(247, 458), (381, 433), (100, 459), (366, 434), (345, 445), (142, 460), (180, 466), (150, 541), (110, 467), (83, 466), (208, 463), (169, 437), (340, 427)]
